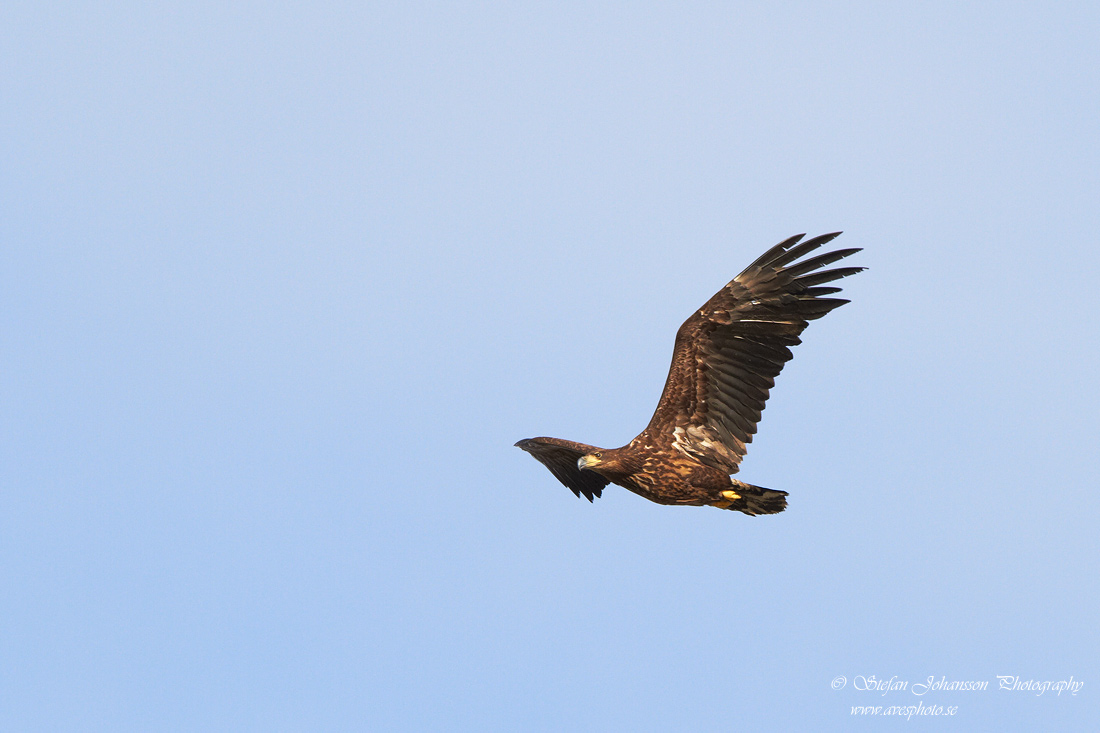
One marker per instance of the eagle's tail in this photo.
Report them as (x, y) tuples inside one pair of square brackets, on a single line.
[(753, 500)]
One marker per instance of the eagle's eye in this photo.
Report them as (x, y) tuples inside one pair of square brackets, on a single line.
[(599, 455)]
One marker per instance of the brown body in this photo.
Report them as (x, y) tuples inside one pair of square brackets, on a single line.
[(724, 363)]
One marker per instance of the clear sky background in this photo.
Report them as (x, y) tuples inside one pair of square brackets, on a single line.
[(280, 286)]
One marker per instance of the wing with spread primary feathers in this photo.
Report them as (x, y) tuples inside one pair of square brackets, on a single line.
[(561, 456), (729, 352)]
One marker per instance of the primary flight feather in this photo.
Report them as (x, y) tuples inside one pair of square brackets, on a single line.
[(724, 363)]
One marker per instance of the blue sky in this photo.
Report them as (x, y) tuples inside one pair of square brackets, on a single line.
[(281, 286)]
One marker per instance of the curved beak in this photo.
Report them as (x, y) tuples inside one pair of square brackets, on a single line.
[(585, 461)]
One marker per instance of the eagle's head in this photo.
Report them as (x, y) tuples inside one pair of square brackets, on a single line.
[(608, 463), (590, 461)]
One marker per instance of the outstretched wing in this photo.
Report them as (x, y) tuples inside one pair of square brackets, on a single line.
[(561, 456), (729, 352)]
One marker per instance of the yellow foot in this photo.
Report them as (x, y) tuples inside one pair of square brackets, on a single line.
[(728, 498)]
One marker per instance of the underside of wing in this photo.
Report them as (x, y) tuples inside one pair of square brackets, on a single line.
[(729, 352), (561, 456)]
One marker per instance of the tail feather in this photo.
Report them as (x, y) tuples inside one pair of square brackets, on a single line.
[(754, 500)]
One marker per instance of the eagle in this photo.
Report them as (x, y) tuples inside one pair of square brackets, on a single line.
[(725, 360)]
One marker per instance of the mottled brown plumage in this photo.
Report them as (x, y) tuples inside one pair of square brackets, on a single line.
[(724, 363)]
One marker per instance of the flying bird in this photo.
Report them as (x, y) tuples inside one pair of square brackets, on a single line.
[(725, 360)]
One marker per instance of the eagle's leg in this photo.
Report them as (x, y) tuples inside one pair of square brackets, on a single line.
[(727, 500)]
